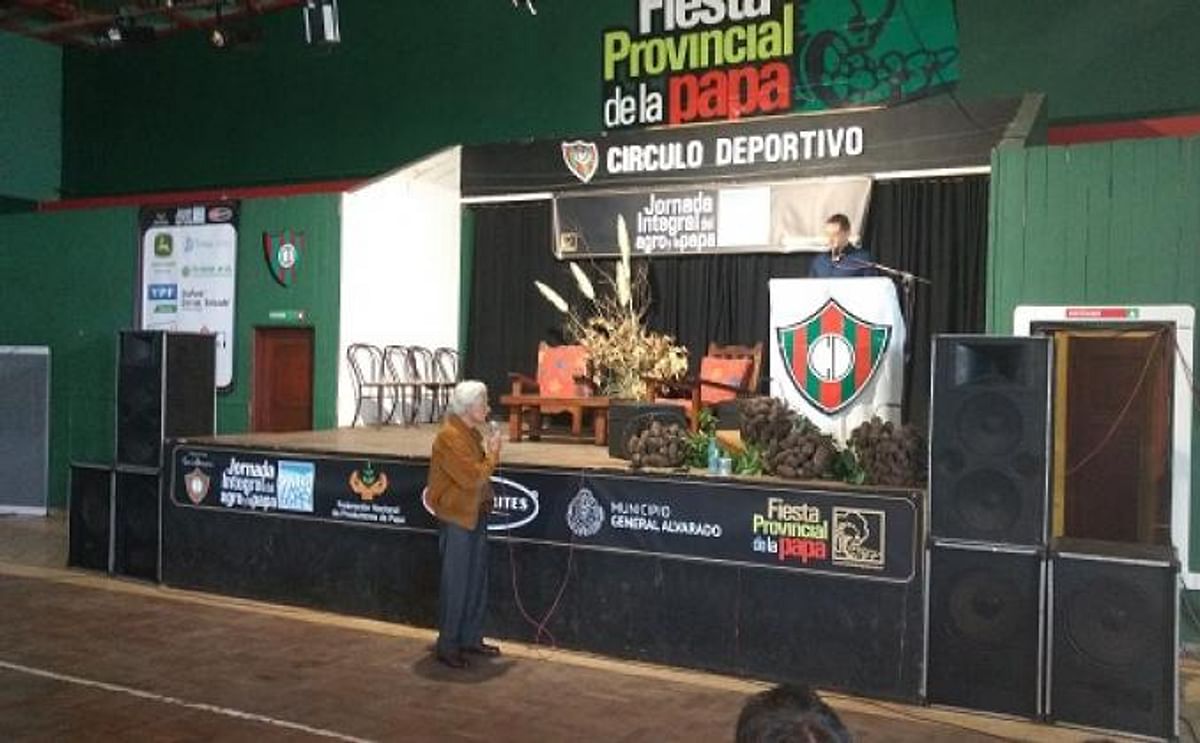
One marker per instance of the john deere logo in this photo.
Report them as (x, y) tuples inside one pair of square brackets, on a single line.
[(368, 483), (163, 245), (283, 253), (832, 355), (196, 483)]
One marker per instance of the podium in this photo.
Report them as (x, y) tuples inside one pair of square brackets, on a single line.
[(837, 350)]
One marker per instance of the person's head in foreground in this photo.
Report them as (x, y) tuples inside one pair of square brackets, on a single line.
[(790, 713)]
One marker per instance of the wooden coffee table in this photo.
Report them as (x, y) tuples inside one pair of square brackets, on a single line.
[(536, 405)]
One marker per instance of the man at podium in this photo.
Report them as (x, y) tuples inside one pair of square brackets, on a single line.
[(843, 259)]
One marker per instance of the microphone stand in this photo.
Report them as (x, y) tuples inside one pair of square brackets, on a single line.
[(907, 281)]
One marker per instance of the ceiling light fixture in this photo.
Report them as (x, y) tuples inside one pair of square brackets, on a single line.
[(528, 5), (321, 24)]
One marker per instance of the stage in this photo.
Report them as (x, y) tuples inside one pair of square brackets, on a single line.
[(778, 580)]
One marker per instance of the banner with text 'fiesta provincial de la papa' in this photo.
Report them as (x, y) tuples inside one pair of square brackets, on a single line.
[(683, 61)]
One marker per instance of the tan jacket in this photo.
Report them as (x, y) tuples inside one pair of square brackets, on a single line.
[(458, 473)]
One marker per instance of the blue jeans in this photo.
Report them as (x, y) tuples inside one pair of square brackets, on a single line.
[(462, 600)]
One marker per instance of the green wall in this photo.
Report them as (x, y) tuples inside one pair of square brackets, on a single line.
[(410, 78), (315, 291), (31, 75), (79, 289), (76, 289), (1115, 223), (1095, 59)]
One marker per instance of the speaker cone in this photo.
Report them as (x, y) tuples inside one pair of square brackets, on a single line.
[(1110, 623), (988, 503), (989, 425)]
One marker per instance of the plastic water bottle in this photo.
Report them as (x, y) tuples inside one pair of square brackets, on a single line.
[(714, 457)]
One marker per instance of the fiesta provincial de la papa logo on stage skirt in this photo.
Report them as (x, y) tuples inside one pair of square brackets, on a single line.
[(831, 355)]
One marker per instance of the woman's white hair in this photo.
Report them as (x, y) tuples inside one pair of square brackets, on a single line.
[(465, 395)]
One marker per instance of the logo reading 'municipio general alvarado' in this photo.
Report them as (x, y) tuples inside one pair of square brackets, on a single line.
[(585, 515)]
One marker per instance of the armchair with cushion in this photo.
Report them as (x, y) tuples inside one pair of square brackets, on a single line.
[(561, 386), (726, 373)]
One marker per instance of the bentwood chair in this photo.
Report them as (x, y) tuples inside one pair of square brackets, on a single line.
[(406, 389), (367, 374), (435, 389)]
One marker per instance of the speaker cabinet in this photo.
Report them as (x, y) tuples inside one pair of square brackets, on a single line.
[(165, 389), (989, 439), (985, 644), (89, 514), (136, 524), (1113, 637)]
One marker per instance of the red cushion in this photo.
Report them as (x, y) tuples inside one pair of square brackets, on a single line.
[(733, 372), (557, 368)]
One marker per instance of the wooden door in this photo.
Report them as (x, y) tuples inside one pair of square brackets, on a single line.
[(282, 396), (1113, 453)]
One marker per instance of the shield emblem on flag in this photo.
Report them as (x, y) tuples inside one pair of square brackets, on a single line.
[(831, 356), (581, 158), (283, 253)]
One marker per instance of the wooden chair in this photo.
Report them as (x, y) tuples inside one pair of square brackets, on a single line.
[(561, 386), (726, 373)]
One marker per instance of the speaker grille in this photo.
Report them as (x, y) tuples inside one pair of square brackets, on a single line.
[(146, 412), (985, 629), (89, 517), (988, 439), (1113, 642), (135, 547)]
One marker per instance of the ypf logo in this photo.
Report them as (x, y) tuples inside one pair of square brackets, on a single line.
[(832, 355), (581, 158)]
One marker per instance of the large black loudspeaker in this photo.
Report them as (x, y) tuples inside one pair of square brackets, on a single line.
[(136, 524), (88, 525), (165, 389), (1113, 637), (989, 439), (985, 645)]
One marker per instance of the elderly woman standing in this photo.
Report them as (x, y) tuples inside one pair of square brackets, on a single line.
[(460, 494)]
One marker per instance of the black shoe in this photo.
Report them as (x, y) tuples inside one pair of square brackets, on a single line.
[(454, 660), (483, 648)]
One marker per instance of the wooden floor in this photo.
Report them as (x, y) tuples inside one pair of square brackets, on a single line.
[(88, 657), (416, 442)]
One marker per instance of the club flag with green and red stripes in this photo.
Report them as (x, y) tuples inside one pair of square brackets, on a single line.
[(283, 252), (832, 355)]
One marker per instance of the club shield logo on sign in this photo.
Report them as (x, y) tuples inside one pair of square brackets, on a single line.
[(283, 253), (832, 355), (581, 159)]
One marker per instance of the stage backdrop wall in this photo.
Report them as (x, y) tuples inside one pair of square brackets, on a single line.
[(400, 263), (81, 269), (936, 228), (1098, 224)]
